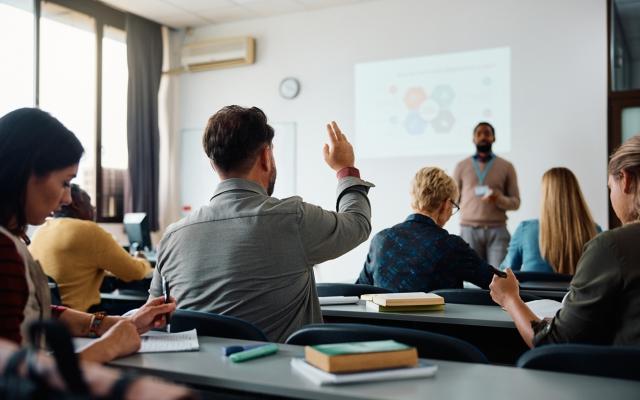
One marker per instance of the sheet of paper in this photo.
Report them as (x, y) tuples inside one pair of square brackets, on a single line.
[(159, 342), (544, 308)]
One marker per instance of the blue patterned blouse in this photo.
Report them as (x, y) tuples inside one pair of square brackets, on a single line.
[(419, 256)]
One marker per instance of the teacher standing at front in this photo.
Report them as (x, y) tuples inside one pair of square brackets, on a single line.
[(488, 189)]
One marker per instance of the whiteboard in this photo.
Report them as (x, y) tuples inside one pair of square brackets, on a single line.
[(198, 180)]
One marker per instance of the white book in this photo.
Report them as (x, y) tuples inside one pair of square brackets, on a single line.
[(321, 378), (160, 342), (544, 308), (326, 300)]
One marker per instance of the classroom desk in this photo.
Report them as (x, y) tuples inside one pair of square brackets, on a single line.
[(487, 327), (542, 285), (272, 377)]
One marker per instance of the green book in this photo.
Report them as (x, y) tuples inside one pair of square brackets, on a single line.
[(375, 346)]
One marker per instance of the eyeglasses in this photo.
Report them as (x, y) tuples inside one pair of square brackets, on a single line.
[(456, 207)]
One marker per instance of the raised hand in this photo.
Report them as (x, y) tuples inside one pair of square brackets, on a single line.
[(338, 154)]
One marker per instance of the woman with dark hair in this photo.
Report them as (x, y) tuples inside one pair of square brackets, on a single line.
[(39, 159), (603, 304)]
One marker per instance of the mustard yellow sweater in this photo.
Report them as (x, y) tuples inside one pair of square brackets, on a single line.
[(76, 253)]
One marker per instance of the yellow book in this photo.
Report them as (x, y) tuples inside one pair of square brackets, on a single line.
[(407, 299)]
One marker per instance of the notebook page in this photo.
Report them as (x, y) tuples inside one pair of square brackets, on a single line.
[(159, 342)]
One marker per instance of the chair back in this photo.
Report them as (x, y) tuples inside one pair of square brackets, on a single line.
[(531, 276), (429, 345), (474, 296), (621, 362), (347, 289), (54, 289), (209, 324)]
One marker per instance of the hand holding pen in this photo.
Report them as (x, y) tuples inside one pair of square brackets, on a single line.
[(152, 315)]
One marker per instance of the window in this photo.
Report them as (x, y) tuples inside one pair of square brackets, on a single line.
[(114, 154), (82, 81), (68, 80), (80, 76), (16, 68)]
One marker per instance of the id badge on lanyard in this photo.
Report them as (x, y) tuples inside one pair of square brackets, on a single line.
[(481, 189)]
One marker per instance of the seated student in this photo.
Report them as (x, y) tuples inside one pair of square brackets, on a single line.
[(102, 382), (250, 255), (39, 158), (419, 255), (555, 242), (76, 252), (603, 304)]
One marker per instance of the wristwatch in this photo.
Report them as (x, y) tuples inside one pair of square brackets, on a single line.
[(96, 321)]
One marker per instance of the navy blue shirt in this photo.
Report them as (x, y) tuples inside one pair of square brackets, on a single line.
[(419, 256)]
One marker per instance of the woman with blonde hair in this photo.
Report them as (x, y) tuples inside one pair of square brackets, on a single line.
[(419, 255), (603, 304), (554, 243)]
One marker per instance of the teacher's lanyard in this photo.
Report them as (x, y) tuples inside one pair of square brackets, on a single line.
[(482, 174)]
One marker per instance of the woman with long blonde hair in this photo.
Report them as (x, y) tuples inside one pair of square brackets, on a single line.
[(555, 242)]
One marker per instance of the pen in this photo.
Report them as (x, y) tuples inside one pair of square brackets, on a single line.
[(498, 272), (167, 297), (229, 350), (256, 352)]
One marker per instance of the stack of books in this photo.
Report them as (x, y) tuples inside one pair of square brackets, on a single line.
[(403, 302), (361, 361)]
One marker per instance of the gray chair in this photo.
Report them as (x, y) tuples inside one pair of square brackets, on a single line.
[(429, 345), (531, 276), (347, 289), (474, 296), (210, 324), (621, 362)]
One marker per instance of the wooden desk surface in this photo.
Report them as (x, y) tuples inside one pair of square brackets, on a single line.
[(456, 314), (273, 376)]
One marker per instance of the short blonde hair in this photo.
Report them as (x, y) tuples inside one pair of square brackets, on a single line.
[(431, 187)]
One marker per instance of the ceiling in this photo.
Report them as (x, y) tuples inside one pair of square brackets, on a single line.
[(193, 13)]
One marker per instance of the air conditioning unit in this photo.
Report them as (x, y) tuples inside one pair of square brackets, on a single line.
[(218, 53)]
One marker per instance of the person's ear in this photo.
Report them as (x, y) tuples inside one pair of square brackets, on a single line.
[(265, 158)]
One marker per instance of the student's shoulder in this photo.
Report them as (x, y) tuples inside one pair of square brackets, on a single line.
[(529, 224), (626, 235), (10, 258)]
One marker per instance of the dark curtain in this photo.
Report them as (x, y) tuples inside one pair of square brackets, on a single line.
[(144, 57)]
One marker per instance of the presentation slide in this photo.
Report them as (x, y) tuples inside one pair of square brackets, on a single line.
[(429, 105)]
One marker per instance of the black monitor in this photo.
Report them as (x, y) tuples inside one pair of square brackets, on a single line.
[(137, 227)]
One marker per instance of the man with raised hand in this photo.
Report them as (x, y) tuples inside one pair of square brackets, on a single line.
[(250, 255)]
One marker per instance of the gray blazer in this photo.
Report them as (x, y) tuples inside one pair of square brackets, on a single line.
[(251, 256)]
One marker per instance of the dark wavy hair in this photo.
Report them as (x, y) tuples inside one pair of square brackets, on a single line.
[(233, 137), (31, 142)]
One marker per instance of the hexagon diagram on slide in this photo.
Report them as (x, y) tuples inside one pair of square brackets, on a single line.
[(429, 110)]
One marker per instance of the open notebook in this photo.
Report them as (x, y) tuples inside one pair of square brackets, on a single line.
[(160, 342)]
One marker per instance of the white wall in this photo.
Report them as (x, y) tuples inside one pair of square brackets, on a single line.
[(558, 95)]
